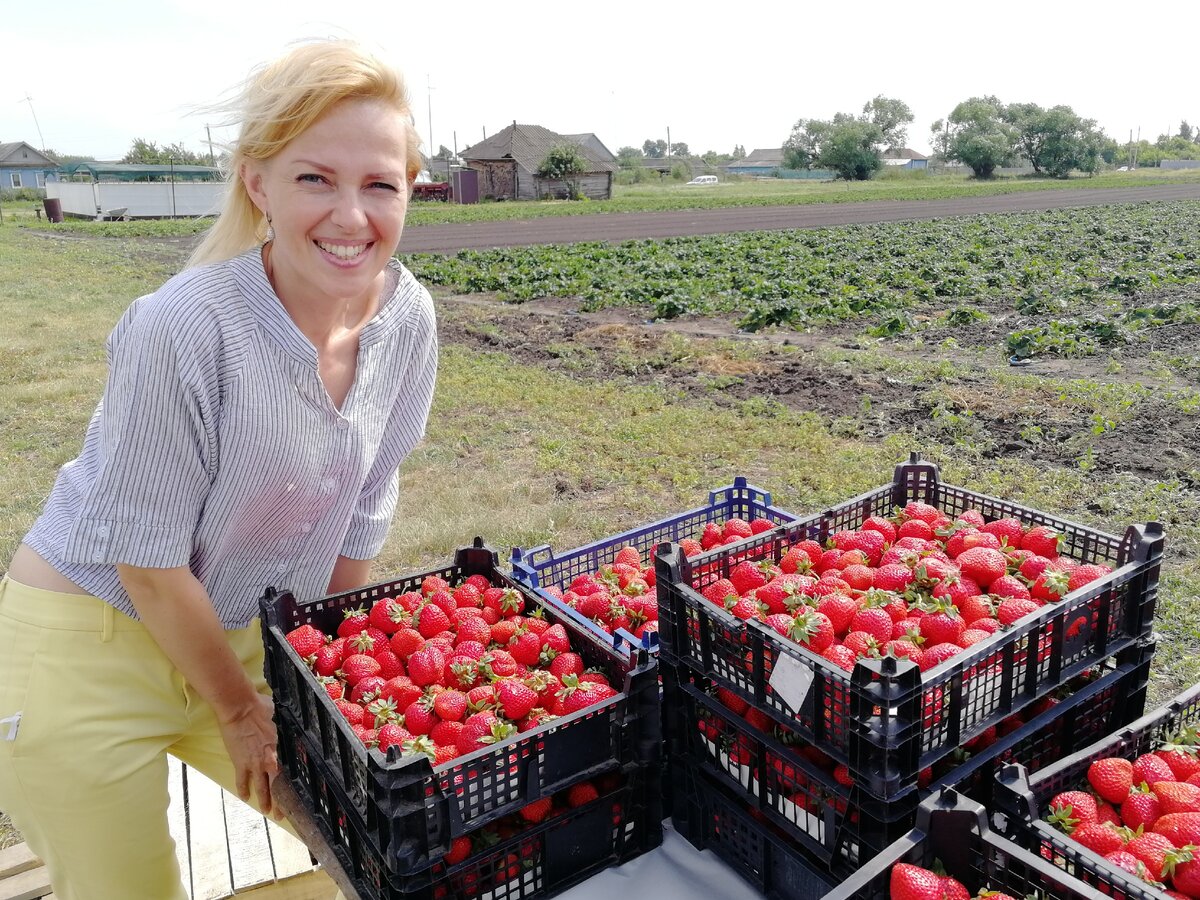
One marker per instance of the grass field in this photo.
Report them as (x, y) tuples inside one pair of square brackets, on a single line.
[(557, 425)]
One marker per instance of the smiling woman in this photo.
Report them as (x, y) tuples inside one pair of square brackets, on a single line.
[(256, 410)]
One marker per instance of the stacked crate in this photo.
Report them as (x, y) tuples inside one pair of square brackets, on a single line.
[(1022, 796), (391, 818), (897, 731)]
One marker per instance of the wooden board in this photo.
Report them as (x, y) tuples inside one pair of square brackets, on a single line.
[(207, 844), (177, 818), (249, 847), (289, 853)]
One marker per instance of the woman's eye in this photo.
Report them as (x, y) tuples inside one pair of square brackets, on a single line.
[(310, 178), (384, 185)]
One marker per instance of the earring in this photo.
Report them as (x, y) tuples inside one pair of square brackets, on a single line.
[(270, 229)]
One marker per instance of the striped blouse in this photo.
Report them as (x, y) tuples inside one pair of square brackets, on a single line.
[(216, 446)]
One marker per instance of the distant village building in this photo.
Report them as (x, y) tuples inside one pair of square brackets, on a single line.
[(21, 166), (764, 163), (905, 158), (507, 163)]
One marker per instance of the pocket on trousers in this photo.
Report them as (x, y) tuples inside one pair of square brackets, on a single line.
[(17, 718)]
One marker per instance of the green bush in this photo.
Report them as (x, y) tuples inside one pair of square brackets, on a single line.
[(33, 195)]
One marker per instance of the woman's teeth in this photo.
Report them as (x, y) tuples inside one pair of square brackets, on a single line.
[(342, 251)]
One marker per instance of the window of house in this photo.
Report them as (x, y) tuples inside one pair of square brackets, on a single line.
[(15, 178), (41, 179)]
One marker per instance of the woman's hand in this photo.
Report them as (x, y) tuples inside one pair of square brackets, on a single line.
[(250, 738)]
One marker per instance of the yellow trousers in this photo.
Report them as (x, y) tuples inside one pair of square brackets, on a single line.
[(89, 709)]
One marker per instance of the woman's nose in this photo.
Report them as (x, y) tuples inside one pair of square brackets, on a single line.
[(348, 212)]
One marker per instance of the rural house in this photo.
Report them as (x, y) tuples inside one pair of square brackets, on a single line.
[(905, 158), (759, 162), (21, 166), (507, 163)]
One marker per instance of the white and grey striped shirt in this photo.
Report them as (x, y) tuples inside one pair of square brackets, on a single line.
[(216, 446)]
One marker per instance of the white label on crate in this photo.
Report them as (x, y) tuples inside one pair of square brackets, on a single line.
[(9, 727), (791, 681)]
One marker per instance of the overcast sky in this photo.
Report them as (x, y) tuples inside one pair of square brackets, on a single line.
[(101, 75)]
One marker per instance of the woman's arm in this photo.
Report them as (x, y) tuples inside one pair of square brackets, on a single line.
[(349, 574), (177, 611)]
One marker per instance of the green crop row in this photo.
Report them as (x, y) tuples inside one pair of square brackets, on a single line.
[(1039, 265)]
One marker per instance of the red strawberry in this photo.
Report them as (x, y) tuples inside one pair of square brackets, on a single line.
[(1177, 797), (875, 622), (1009, 586), (1141, 808), (982, 565), (1042, 540), (1070, 809), (450, 705), (482, 730), (358, 666), (1111, 778), (812, 629), (1127, 862), (916, 509), (352, 712), (1179, 828), (579, 794), (910, 882), (1086, 574), (432, 620), (747, 575), (306, 640), (388, 615), (1150, 768), (1009, 530), (391, 734), (329, 658), (460, 849), (526, 648), (426, 666), (1151, 848), (516, 699), (1182, 759), (354, 621), (720, 589), (566, 664), (941, 627), (1051, 585), (537, 811), (1098, 837), (406, 642), (445, 734), (1014, 609)]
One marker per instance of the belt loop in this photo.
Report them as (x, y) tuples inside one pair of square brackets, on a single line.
[(106, 623)]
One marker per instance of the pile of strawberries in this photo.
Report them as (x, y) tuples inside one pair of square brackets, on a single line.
[(1142, 815), (919, 586), (911, 882), (622, 595), (446, 671)]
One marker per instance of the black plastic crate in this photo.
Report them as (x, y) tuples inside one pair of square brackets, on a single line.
[(953, 830), (1021, 797), (843, 826), (409, 808), (540, 567), (887, 720), (534, 862), (710, 817)]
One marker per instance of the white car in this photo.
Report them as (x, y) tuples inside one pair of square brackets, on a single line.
[(704, 179)]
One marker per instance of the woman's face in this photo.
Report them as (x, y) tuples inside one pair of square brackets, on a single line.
[(336, 195)]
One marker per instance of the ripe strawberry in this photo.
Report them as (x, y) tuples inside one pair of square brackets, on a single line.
[(1150, 768), (1182, 759), (306, 640), (390, 735), (367, 689), (1098, 837), (481, 730), (566, 664), (1111, 778), (875, 622), (450, 705), (910, 882), (387, 615), (1179, 828), (812, 629), (915, 528), (1127, 862), (525, 647), (883, 526), (460, 849), (1070, 809), (406, 642), (353, 621), (747, 575), (389, 663), (431, 584), (720, 589), (1086, 574), (329, 658), (1013, 609), (1042, 540), (1185, 875), (941, 627), (579, 794), (516, 699), (1051, 585), (504, 602), (916, 509), (445, 734), (358, 666), (1177, 797), (1008, 586), (432, 620), (426, 666), (1151, 848), (982, 565), (1008, 530), (537, 811), (352, 712), (1141, 808), (934, 656), (419, 717), (841, 656)]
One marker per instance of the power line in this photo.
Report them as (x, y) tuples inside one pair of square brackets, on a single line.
[(29, 100)]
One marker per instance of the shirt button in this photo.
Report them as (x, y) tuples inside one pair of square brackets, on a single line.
[(97, 557), (102, 531), (328, 485), (281, 568), (306, 528)]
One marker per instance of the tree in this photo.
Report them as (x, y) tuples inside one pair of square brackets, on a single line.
[(654, 149), (890, 116), (939, 139), (851, 148), (977, 135), (1055, 140), (564, 163), (1185, 131), (629, 157), (149, 153), (803, 146), (739, 152), (679, 148)]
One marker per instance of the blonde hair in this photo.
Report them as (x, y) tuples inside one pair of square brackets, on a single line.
[(280, 101)]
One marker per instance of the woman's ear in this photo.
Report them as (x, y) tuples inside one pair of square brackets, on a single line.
[(251, 173)]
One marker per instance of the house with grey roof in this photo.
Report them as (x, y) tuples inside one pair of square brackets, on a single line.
[(21, 166), (507, 163)]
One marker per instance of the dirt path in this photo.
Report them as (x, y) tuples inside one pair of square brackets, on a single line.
[(625, 226)]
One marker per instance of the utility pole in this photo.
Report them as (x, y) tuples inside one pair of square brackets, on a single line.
[(29, 100), (208, 131), (429, 103), (668, 145)]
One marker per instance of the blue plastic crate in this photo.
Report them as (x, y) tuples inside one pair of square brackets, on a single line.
[(540, 567)]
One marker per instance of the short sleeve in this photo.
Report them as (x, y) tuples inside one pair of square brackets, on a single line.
[(155, 449), (372, 516)]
